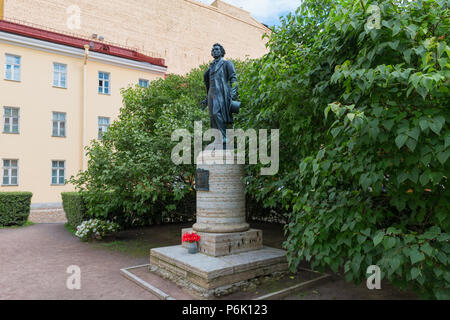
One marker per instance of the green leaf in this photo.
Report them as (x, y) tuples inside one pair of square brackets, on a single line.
[(414, 175), (395, 262), (447, 142), (436, 125), (415, 272), (351, 116), (411, 144), (424, 178), (400, 140), (407, 55), (366, 232), (361, 238), (423, 123), (378, 238), (422, 91), (414, 133), (427, 249), (389, 242), (443, 156), (412, 30), (416, 256), (388, 124), (402, 176)]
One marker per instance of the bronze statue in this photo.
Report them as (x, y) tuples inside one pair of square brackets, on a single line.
[(221, 87)]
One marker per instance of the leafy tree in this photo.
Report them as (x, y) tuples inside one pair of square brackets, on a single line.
[(363, 116)]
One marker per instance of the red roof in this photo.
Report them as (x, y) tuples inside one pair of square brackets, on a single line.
[(76, 42)]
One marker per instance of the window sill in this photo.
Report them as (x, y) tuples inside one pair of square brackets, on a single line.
[(104, 94), (59, 136), (10, 185), (58, 185), (17, 133), (11, 80), (56, 87)]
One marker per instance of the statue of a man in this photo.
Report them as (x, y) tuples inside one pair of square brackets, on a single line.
[(221, 87)]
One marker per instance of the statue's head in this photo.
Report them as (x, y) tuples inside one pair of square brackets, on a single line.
[(218, 51)]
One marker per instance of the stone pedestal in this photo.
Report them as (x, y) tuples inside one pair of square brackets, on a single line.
[(221, 209), (230, 252), (224, 244), (208, 276)]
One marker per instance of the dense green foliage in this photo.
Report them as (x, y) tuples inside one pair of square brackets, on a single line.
[(14, 208), (363, 116), (75, 208)]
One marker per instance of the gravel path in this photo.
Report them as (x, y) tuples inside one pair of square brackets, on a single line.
[(34, 262), (48, 216)]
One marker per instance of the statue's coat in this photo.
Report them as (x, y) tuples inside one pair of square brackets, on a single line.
[(224, 75)]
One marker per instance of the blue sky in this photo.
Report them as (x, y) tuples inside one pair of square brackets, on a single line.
[(265, 11)]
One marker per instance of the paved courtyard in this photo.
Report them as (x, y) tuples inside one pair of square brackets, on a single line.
[(34, 261)]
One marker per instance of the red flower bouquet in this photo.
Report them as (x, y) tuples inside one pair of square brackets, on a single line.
[(191, 237)]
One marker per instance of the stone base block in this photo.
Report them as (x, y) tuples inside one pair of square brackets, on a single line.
[(223, 244), (208, 275)]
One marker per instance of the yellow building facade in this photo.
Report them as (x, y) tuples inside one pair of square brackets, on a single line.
[(47, 122)]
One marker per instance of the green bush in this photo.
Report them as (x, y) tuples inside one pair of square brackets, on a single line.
[(74, 207), (14, 208), (363, 114)]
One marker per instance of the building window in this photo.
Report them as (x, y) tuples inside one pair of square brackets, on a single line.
[(58, 172), (12, 71), (103, 83), (10, 172), (59, 75), (103, 124), (143, 83), (11, 120), (59, 124)]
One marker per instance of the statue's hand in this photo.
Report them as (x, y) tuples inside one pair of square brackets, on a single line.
[(204, 104), (233, 93)]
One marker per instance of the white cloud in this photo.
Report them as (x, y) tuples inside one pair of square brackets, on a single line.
[(263, 10)]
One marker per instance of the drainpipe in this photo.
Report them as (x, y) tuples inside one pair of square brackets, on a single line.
[(2, 9), (86, 56)]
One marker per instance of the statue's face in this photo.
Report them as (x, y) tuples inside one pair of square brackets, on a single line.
[(216, 52)]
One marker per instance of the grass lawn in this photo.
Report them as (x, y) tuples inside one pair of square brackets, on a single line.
[(138, 242)]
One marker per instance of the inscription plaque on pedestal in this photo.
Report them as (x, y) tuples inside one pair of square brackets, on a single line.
[(202, 180)]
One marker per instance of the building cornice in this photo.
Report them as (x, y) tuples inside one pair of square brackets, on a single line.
[(65, 50)]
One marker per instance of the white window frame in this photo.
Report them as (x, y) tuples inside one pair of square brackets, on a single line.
[(58, 75), (10, 168), (147, 82), (58, 124), (102, 88), (58, 169), (102, 127), (13, 68), (11, 120)]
